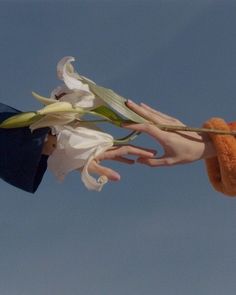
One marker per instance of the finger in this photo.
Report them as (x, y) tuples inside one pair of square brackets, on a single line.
[(112, 175), (150, 129), (157, 162), (145, 113), (167, 118), (135, 151), (124, 160), (120, 151), (152, 115)]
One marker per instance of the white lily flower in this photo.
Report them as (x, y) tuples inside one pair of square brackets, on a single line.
[(72, 94), (76, 148), (75, 91)]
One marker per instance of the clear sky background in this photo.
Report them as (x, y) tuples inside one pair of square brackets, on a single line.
[(158, 231)]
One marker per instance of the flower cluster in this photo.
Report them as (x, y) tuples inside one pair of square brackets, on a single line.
[(77, 143), (79, 140)]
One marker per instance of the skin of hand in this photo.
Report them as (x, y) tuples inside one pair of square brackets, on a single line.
[(179, 147), (116, 153), (49, 145)]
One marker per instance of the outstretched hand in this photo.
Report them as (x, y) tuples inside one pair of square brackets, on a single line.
[(179, 147)]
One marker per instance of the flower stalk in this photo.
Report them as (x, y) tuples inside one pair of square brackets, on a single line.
[(175, 128), (28, 118)]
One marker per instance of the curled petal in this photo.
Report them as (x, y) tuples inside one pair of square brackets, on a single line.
[(65, 72), (74, 91), (89, 181), (64, 63)]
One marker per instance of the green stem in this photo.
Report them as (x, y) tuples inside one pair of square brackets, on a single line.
[(26, 119), (127, 138)]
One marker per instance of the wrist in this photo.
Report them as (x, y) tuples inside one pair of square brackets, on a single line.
[(209, 148), (49, 145)]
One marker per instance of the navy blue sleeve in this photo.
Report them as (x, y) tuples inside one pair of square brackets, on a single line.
[(21, 161)]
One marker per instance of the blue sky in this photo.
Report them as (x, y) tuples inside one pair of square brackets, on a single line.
[(158, 231)]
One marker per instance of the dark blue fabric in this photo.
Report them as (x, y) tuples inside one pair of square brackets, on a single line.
[(21, 162)]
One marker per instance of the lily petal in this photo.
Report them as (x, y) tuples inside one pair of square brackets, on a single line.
[(89, 181), (56, 107), (44, 100), (66, 72), (76, 148), (76, 91)]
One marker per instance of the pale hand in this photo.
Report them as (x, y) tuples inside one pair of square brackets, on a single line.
[(179, 147), (118, 153)]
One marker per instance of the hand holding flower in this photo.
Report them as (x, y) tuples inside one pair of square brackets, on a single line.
[(179, 146)]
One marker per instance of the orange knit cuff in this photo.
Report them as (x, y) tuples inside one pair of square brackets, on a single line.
[(222, 168)]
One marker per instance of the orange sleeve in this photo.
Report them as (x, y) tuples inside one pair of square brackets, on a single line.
[(221, 169)]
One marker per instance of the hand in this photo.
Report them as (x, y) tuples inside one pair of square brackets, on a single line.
[(179, 147), (118, 153), (49, 145)]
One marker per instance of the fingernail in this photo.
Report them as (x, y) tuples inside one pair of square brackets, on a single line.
[(124, 124), (116, 177), (129, 101)]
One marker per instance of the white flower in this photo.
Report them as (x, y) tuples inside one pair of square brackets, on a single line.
[(77, 143), (76, 148), (74, 91), (72, 94)]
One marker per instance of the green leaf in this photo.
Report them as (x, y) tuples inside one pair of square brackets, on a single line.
[(109, 114), (20, 120), (114, 100)]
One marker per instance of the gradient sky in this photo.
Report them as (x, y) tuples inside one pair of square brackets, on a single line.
[(158, 231)]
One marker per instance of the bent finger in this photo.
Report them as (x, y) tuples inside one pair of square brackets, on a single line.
[(96, 168), (145, 113), (124, 160), (121, 150), (150, 129), (135, 151), (167, 119)]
